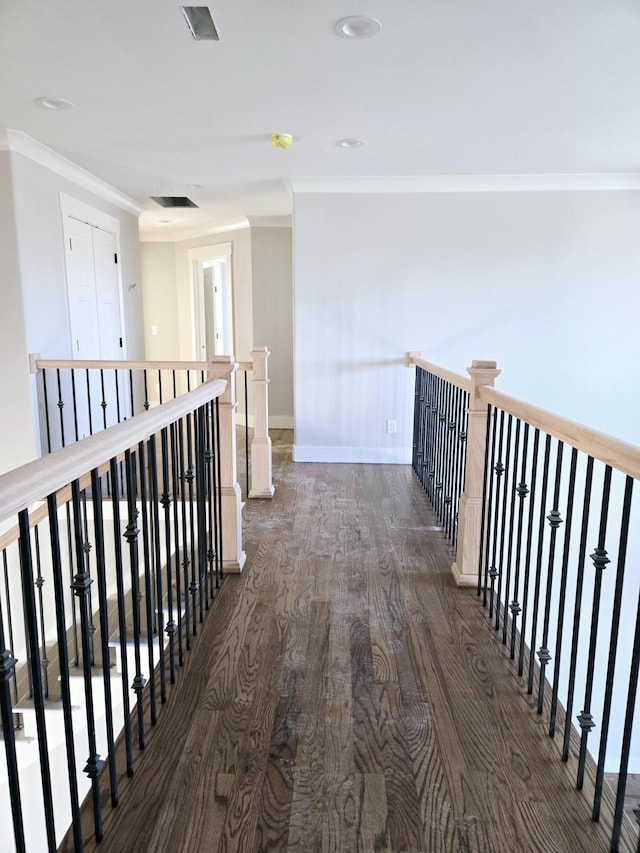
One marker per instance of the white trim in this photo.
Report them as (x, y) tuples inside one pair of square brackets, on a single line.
[(281, 422), (85, 213), (205, 253), (29, 147), (467, 183), (283, 221), (382, 455)]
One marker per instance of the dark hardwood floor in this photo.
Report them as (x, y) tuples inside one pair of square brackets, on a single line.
[(345, 696)]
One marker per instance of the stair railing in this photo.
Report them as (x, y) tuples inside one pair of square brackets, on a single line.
[(549, 535), (113, 549)]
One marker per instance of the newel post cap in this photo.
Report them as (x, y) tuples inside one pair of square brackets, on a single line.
[(483, 372)]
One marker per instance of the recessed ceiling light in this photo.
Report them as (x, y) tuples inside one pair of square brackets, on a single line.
[(55, 103), (350, 143), (200, 23), (358, 27)]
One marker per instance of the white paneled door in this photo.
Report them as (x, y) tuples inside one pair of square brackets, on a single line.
[(93, 287), (94, 291)]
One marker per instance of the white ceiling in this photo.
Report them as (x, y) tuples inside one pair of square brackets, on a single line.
[(450, 87)]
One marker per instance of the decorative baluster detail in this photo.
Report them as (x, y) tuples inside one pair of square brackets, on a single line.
[(166, 501)]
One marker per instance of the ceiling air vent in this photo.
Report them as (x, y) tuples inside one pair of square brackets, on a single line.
[(174, 201), (200, 22)]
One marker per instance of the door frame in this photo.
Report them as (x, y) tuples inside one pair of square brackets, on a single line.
[(211, 252), (75, 209)]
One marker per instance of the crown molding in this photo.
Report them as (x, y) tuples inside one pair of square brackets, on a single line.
[(468, 183), (20, 143), (154, 234)]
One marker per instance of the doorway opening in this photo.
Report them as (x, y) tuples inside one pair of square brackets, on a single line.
[(213, 300)]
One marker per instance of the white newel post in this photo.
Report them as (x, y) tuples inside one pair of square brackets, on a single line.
[(261, 484), (232, 553), (465, 568)]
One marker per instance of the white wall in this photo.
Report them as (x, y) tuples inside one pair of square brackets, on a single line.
[(17, 435), (273, 315), (158, 264), (42, 263), (545, 283)]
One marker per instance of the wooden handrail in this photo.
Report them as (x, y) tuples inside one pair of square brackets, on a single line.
[(37, 363), (34, 481), (612, 451), (441, 372)]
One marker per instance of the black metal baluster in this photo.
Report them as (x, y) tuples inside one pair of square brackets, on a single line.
[(80, 586), (503, 522), (175, 481), (89, 409), (75, 404), (155, 524), (512, 512), (31, 626), (189, 476), (117, 384), (9, 617), (492, 425), (98, 530), (201, 496), (60, 405), (185, 541), (522, 490), (218, 453), (527, 559), (555, 520), (131, 535), (173, 383), (626, 737), (563, 592), (74, 615), (44, 661), (63, 661), (416, 419), (7, 674), (148, 581), (122, 615), (613, 645), (211, 501), (160, 386), (166, 500), (46, 409), (499, 471), (131, 397), (482, 555), (146, 391), (103, 403), (600, 561), (87, 563), (538, 576), (577, 611)]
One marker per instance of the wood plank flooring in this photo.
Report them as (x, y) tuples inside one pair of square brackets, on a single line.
[(344, 696)]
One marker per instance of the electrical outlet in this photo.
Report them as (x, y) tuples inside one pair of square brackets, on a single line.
[(391, 427)]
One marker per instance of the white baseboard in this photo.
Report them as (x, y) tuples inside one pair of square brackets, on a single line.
[(280, 421), (382, 455)]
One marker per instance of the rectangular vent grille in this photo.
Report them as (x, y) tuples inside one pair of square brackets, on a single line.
[(173, 201), (200, 22)]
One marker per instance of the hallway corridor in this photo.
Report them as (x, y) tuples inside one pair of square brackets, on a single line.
[(344, 696)]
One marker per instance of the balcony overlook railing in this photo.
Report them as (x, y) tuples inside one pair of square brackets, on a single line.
[(537, 495), (79, 398), (112, 551)]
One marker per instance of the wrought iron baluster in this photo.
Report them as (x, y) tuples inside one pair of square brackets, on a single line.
[(201, 496), (98, 530), (46, 409), (600, 561), (122, 616), (175, 485), (577, 607), (5, 567), (131, 535), (538, 575), (219, 552), (522, 490), (563, 592), (155, 532), (185, 540), (166, 500), (103, 403), (31, 625), (512, 510), (7, 674), (150, 609), (44, 661), (81, 585), (60, 405), (75, 404), (613, 646)]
